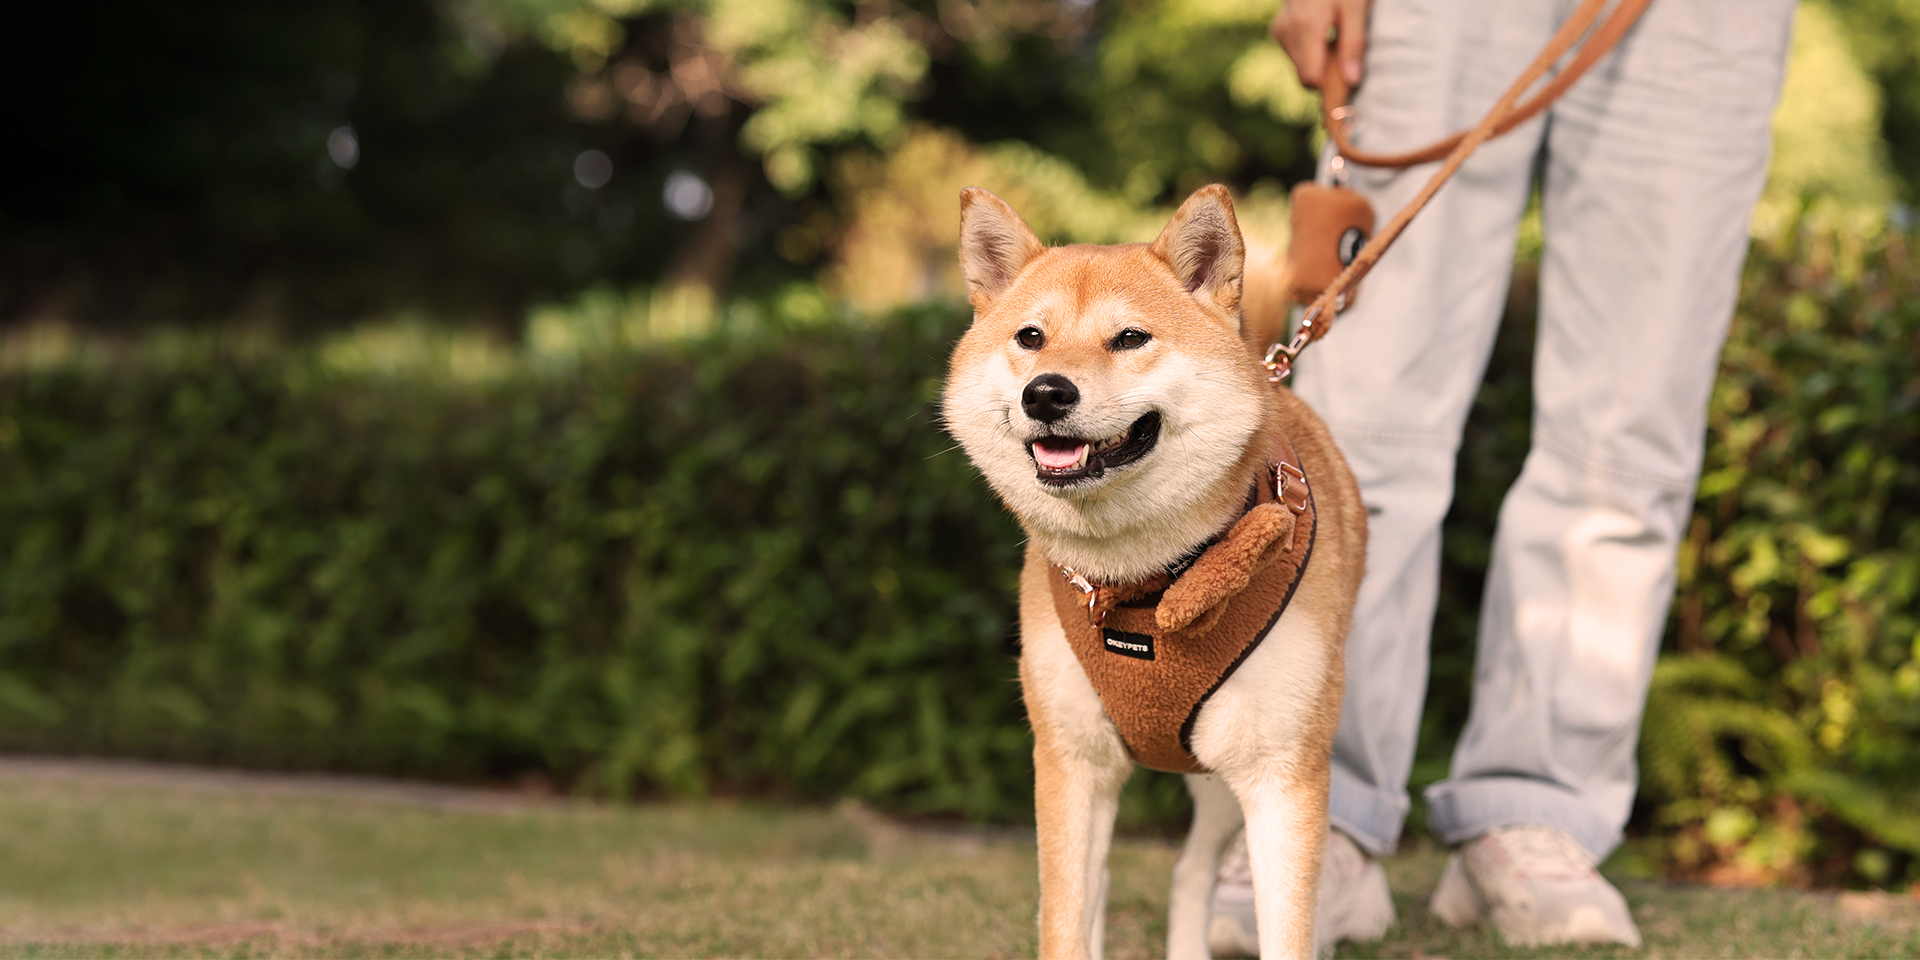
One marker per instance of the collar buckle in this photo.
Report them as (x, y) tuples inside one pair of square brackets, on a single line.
[(1290, 487), (1082, 584)]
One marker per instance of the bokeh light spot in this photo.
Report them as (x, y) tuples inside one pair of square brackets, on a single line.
[(343, 147), (687, 196), (593, 169)]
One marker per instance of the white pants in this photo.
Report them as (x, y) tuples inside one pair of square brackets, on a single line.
[(1649, 168)]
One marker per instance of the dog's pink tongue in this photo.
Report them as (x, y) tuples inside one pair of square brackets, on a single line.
[(1063, 458)]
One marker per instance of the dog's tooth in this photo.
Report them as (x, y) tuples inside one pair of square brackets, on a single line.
[(1086, 449)]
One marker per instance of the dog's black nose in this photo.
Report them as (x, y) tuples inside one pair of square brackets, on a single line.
[(1049, 397)]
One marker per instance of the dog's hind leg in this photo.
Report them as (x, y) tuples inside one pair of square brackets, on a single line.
[(1286, 840), (1216, 817), (1102, 884)]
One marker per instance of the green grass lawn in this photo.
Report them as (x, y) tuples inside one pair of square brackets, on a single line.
[(117, 860)]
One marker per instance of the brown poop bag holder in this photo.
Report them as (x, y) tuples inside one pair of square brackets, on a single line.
[(1330, 225), (1333, 243)]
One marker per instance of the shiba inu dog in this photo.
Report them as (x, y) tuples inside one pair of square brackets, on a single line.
[(1175, 503)]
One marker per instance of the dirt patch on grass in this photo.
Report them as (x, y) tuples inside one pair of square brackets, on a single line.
[(217, 935), (138, 773)]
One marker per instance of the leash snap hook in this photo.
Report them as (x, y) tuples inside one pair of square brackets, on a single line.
[(1280, 356)]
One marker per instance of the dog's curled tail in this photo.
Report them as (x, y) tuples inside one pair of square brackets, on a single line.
[(1264, 305)]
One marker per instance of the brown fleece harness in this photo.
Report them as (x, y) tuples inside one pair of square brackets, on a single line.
[(1155, 650)]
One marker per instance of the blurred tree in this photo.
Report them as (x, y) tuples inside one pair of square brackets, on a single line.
[(1884, 36), (872, 116), (320, 161), (1828, 147), (472, 157)]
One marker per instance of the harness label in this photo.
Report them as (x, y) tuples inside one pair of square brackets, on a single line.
[(1136, 645)]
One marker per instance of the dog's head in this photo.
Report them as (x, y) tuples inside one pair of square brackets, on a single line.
[(1105, 391)]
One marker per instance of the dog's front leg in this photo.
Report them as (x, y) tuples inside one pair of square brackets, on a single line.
[(1216, 815), (1079, 765), (1286, 839), (1075, 800)]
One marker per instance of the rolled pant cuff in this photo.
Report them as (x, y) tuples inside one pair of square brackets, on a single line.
[(1372, 817), (1460, 811)]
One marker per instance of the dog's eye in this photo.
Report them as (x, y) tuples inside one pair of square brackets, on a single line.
[(1030, 337), (1130, 339)]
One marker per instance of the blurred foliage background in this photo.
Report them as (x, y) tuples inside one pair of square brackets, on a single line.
[(495, 389)]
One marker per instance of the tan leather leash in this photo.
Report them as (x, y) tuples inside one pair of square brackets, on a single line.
[(1502, 117)]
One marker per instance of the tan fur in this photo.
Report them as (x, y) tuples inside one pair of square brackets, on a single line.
[(1266, 734)]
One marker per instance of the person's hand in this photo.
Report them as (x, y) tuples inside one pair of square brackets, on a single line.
[(1303, 26)]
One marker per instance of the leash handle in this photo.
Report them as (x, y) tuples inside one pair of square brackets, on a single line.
[(1503, 116)]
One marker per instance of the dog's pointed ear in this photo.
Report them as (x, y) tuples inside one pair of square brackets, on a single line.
[(995, 245), (1202, 244)]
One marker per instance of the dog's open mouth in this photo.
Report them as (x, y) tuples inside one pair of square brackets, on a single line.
[(1065, 460)]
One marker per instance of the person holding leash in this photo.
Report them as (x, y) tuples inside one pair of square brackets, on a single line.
[(1648, 169)]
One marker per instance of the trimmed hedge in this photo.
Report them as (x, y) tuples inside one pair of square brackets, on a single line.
[(746, 565)]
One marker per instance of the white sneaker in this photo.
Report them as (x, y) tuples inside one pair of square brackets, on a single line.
[(1354, 901), (1537, 886)]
